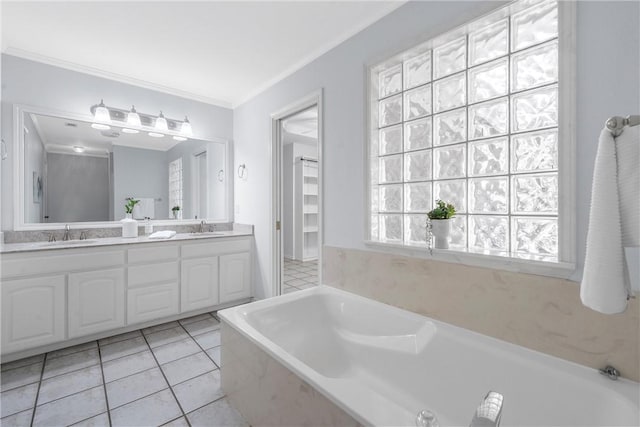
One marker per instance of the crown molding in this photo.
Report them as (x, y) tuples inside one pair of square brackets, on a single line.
[(113, 76)]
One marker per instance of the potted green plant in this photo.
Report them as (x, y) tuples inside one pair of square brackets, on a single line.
[(129, 225), (175, 210), (439, 223)]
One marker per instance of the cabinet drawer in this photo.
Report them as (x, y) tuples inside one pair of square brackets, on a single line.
[(67, 260), (33, 313), (152, 302), (215, 247), (152, 253), (152, 273)]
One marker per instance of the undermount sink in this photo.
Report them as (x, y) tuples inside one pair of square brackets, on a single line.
[(68, 242)]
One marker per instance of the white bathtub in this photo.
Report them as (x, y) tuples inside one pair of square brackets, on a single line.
[(382, 365)]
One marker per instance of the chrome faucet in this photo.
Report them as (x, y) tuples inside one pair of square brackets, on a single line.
[(489, 411), (67, 233), (83, 235), (52, 237), (202, 224)]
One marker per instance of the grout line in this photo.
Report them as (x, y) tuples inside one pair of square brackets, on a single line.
[(73, 352), (139, 398), (197, 376), (35, 402), (165, 377), (135, 373), (207, 404), (183, 357), (93, 416), (175, 419), (20, 367), (69, 395), (119, 340), (205, 351)]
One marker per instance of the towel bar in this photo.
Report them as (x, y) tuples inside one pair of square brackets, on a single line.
[(616, 124)]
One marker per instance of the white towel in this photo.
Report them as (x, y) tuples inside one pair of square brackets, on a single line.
[(628, 154), (605, 281), (146, 208), (165, 234)]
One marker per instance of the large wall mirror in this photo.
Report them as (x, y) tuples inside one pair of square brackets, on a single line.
[(69, 172)]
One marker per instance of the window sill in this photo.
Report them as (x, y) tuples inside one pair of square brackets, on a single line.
[(562, 270)]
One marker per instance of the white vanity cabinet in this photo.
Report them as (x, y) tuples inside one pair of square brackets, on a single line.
[(33, 312), (55, 298), (96, 301)]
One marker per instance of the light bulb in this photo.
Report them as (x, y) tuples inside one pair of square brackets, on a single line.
[(161, 123), (127, 130), (156, 135), (186, 127), (133, 119), (101, 113), (180, 138)]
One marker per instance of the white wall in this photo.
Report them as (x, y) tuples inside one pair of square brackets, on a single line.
[(607, 83), (36, 84)]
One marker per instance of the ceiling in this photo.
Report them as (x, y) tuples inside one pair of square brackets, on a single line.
[(222, 53)]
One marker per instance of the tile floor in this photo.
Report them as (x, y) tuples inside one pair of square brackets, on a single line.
[(163, 375), (299, 275)]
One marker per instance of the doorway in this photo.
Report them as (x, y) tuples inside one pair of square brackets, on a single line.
[(297, 148)]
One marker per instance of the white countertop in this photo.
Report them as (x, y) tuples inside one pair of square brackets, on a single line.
[(111, 241)]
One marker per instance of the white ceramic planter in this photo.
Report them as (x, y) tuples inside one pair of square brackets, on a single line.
[(440, 228), (129, 227)]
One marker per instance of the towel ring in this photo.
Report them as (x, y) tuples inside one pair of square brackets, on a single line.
[(242, 171), (221, 175), (3, 150)]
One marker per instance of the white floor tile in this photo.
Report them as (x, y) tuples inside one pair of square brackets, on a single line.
[(128, 365), (18, 400), (160, 327), (166, 336), (175, 350), (123, 348), (22, 362), (72, 362), (199, 391), (154, 410), (70, 350), (132, 388), (188, 367), (71, 409), (73, 382), (215, 355), (21, 376), (202, 326), (180, 422), (101, 420), (219, 413), (121, 337), (208, 339), (21, 419)]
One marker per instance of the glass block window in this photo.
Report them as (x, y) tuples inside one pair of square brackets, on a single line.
[(175, 187), (471, 118)]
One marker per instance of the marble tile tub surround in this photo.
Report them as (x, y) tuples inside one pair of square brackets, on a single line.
[(99, 233), (163, 375), (268, 394), (540, 313)]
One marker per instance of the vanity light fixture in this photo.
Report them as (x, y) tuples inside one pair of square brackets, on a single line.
[(101, 113), (132, 122), (133, 118), (78, 149), (161, 123), (186, 127)]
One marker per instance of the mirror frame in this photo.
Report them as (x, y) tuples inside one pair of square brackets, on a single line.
[(19, 193)]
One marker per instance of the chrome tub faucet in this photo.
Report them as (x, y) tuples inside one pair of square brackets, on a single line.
[(67, 233), (489, 411)]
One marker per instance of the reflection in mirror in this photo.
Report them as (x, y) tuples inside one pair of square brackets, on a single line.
[(74, 173)]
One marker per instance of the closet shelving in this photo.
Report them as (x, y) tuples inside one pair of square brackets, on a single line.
[(306, 209)]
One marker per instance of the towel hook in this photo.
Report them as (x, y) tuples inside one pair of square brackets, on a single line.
[(242, 171)]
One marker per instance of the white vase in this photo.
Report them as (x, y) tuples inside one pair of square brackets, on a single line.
[(129, 226), (440, 228)]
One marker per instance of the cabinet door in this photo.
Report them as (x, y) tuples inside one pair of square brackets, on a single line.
[(235, 277), (199, 287), (32, 312), (96, 301), (152, 302)]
